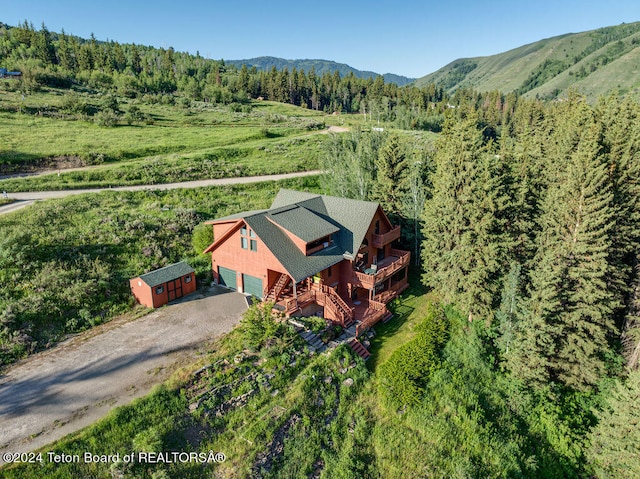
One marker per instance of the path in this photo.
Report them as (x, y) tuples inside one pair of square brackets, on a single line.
[(70, 386), (30, 196)]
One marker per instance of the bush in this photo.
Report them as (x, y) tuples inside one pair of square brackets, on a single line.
[(202, 237), (258, 325), (106, 118), (73, 104), (404, 376)]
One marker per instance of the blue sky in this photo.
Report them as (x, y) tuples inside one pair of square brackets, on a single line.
[(408, 38)]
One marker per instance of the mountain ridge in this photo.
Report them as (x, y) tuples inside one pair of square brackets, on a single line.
[(321, 66)]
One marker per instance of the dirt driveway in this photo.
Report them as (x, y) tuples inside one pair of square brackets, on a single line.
[(59, 391)]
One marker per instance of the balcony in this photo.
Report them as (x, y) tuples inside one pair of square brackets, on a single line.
[(379, 241), (398, 260)]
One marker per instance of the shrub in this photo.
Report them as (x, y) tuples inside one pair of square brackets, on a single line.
[(106, 118), (202, 237), (258, 325), (404, 376)]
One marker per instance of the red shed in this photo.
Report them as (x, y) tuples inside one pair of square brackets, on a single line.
[(158, 287)]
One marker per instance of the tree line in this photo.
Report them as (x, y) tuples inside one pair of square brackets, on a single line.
[(62, 60), (533, 229)]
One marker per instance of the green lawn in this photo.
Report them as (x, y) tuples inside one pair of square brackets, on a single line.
[(409, 310)]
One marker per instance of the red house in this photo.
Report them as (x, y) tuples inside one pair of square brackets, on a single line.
[(158, 287), (313, 254)]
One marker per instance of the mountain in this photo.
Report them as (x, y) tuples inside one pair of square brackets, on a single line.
[(593, 62), (321, 67)]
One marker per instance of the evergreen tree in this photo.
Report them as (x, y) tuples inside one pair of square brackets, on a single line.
[(464, 221), (390, 177), (565, 337), (621, 141), (615, 440), (44, 48), (631, 327)]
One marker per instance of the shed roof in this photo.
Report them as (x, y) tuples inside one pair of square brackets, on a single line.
[(168, 273)]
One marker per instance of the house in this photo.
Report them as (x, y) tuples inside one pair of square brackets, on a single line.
[(313, 255), (158, 287)]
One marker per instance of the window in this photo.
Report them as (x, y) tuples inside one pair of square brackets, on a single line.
[(329, 272), (245, 241), (377, 227), (160, 290), (187, 279)]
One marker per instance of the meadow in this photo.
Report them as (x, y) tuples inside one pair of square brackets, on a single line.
[(150, 142)]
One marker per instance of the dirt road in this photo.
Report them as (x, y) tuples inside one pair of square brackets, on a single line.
[(44, 195), (59, 391)]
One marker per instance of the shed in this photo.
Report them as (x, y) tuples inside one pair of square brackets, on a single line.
[(158, 287)]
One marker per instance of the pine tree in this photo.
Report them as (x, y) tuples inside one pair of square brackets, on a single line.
[(44, 48), (621, 141), (390, 184), (464, 224), (571, 305), (615, 440)]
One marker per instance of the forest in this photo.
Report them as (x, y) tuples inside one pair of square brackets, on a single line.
[(531, 231), (520, 334)]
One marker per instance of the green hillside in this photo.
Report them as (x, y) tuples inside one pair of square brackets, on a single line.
[(593, 62)]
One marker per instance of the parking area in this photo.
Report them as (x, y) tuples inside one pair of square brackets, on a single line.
[(61, 390)]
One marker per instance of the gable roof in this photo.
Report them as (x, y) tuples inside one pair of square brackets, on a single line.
[(302, 223), (309, 217), (353, 217), (168, 273)]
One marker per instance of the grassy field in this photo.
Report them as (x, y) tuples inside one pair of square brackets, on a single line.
[(276, 411), (167, 143)]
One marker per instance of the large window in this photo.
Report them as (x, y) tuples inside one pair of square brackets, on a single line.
[(246, 239)]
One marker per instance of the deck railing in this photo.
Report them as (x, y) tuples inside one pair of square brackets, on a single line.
[(325, 297), (370, 280), (379, 241), (380, 311)]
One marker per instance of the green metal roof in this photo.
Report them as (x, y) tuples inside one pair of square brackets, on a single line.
[(168, 273), (301, 222)]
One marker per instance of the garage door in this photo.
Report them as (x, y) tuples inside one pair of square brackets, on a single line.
[(252, 285), (227, 277)]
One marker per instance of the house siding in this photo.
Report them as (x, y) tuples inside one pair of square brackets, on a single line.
[(231, 255), (384, 227)]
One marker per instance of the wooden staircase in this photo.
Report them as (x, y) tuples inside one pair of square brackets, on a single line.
[(335, 302), (359, 349), (281, 283)]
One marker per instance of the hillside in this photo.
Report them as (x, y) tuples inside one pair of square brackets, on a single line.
[(320, 66), (594, 62)]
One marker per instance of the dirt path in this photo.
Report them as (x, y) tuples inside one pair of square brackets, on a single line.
[(44, 195), (61, 390)]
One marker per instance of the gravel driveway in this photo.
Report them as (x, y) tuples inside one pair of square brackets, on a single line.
[(61, 390)]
